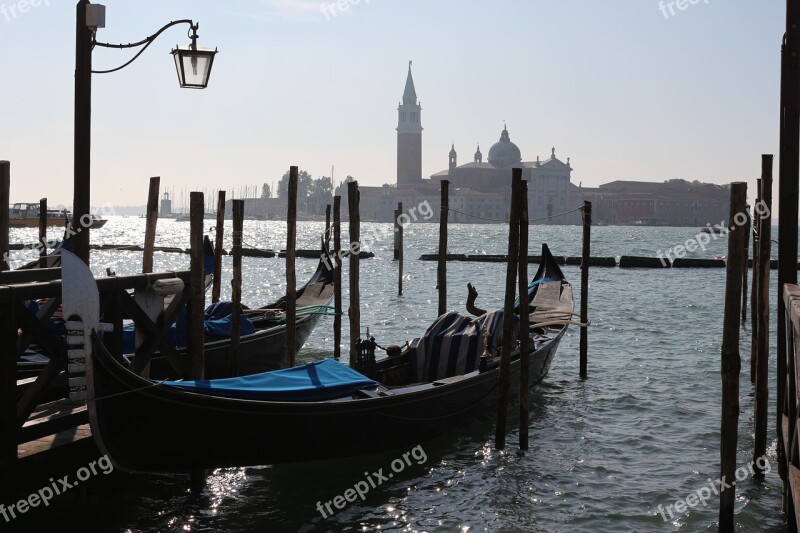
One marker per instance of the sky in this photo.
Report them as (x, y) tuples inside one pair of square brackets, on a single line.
[(628, 89)]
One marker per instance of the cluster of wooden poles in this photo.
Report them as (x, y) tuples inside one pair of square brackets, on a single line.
[(516, 273), (735, 307), (517, 269)]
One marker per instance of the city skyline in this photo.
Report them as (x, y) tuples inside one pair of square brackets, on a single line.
[(634, 91)]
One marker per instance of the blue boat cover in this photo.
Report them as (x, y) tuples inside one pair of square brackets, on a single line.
[(317, 381)]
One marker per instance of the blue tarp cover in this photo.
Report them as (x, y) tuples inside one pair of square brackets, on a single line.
[(321, 380)]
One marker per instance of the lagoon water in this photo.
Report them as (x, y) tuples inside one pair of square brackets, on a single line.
[(641, 432)]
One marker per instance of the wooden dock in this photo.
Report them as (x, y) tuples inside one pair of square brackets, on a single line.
[(44, 427), (789, 403)]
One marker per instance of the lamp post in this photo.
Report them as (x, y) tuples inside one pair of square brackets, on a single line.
[(193, 64)]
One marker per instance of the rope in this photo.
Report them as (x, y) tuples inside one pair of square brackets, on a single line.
[(97, 399), (558, 215)]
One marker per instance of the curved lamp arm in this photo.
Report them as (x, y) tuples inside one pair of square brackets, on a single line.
[(147, 41)]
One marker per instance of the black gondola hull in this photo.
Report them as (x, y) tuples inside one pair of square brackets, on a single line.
[(157, 428)]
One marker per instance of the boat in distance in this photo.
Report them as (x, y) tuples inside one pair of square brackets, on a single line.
[(321, 410), (26, 215)]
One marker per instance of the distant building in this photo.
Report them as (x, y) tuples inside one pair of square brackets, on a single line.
[(676, 202), (166, 206), (480, 190), (409, 136)]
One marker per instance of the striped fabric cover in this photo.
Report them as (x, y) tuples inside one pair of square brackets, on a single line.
[(454, 343)]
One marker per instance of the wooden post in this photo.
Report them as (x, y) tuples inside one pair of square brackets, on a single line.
[(762, 359), (236, 282), (291, 281), (731, 362), (788, 196), (746, 267), (150, 225), (8, 370), (754, 288), (508, 311), (337, 276), (587, 243), (5, 199), (354, 312), (399, 236), (328, 227), (81, 201), (396, 243), (441, 271), (524, 318), (197, 302), (197, 298), (42, 232), (216, 287)]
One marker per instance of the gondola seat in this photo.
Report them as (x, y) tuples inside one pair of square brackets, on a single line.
[(453, 345)]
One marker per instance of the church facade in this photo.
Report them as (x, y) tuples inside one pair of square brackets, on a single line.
[(479, 191), (550, 191)]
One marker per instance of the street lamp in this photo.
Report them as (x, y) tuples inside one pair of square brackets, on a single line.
[(193, 64)]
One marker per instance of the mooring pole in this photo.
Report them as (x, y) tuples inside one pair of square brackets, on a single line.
[(219, 233), (524, 317), (441, 271), (197, 303), (508, 311), (396, 242), (587, 243), (291, 281), (236, 282), (42, 232), (197, 298), (399, 236), (731, 362), (746, 266), (337, 277), (150, 225), (754, 299), (762, 360), (5, 192), (354, 312), (328, 227)]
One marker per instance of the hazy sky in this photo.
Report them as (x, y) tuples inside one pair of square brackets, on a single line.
[(626, 89)]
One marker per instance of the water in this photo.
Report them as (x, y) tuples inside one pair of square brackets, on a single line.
[(642, 431)]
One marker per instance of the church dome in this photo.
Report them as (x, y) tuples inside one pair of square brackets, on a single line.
[(504, 153)]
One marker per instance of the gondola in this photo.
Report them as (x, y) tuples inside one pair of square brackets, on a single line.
[(261, 350), (321, 410), (265, 348)]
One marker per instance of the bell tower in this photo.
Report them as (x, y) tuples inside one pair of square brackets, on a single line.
[(409, 136)]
